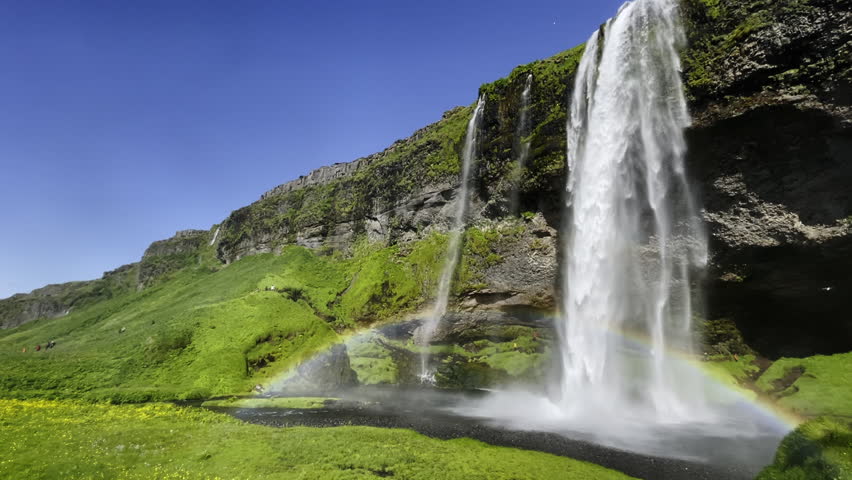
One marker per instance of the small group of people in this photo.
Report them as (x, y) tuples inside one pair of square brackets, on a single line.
[(38, 347)]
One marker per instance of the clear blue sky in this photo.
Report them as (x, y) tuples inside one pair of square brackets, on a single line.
[(124, 121)]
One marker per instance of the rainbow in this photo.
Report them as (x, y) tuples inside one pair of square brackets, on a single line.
[(781, 418)]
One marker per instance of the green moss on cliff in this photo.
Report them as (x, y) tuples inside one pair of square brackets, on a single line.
[(547, 111), (388, 281), (431, 155), (373, 363), (497, 355), (737, 50), (483, 248)]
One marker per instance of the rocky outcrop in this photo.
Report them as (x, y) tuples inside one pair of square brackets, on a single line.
[(779, 208), (165, 256), (471, 351), (339, 171), (333, 205), (58, 300), (771, 150), (744, 48), (184, 241), (325, 373), (45, 302)]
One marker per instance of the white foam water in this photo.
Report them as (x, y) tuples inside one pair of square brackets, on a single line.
[(633, 233)]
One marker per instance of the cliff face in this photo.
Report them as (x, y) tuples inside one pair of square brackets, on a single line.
[(769, 84), (165, 256), (384, 196), (769, 87)]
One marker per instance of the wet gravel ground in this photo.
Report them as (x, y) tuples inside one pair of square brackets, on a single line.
[(441, 425)]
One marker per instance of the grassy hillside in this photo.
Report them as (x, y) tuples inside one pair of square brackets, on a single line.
[(209, 329)]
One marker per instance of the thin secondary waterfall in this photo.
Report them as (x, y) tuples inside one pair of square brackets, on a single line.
[(634, 233), (453, 253), (522, 130), (215, 236)]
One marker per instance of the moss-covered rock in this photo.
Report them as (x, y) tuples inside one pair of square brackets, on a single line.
[(740, 48), (817, 450)]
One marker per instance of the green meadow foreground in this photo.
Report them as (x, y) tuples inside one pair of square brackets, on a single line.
[(52, 439)]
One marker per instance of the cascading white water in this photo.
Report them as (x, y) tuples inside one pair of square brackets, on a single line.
[(633, 230), (215, 236), (451, 260), (523, 146)]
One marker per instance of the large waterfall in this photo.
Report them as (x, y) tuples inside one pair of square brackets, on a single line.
[(453, 252), (633, 234)]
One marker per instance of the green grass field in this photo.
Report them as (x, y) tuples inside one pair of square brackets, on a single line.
[(194, 335), (46, 439), (814, 386), (820, 449), (210, 329)]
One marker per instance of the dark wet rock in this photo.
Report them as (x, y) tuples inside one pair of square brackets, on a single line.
[(325, 372), (471, 350), (775, 184), (464, 327)]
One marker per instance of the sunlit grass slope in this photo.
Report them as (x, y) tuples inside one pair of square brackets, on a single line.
[(191, 335), (818, 450), (812, 386), (211, 329), (50, 439)]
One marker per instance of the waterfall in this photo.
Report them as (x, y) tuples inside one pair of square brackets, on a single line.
[(453, 252), (215, 236), (633, 230), (523, 146)]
